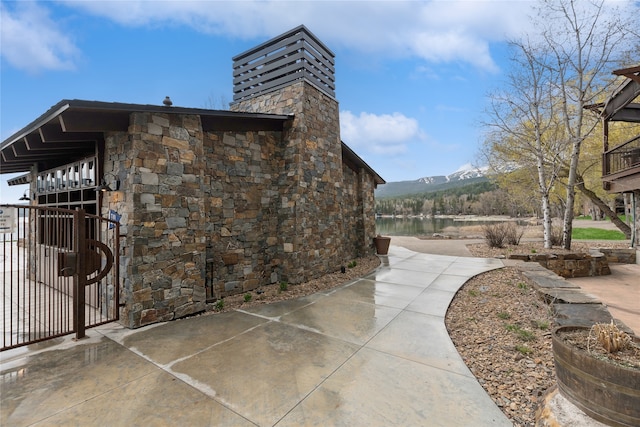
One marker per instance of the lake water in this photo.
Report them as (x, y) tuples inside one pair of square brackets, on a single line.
[(420, 226)]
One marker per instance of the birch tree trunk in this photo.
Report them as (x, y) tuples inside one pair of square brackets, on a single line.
[(567, 226)]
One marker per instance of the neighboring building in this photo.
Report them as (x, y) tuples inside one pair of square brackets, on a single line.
[(212, 203), (621, 164)]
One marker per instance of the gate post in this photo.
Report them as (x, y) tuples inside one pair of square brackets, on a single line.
[(80, 278)]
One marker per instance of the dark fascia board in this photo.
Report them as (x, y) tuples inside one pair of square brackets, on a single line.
[(628, 72), (350, 156), (622, 98), (100, 106), (88, 120), (34, 125)]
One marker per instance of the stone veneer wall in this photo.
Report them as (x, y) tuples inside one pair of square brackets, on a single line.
[(570, 264), (226, 212), (186, 198), (314, 191), (241, 213), (358, 211), (367, 187), (161, 167), (618, 256)]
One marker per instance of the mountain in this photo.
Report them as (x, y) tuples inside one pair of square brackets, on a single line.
[(465, 175)]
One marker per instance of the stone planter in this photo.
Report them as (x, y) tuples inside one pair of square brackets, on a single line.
[(382, 244), (605, 391)]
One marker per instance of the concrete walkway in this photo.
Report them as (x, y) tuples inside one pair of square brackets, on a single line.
[(373, 352), (619, 292)]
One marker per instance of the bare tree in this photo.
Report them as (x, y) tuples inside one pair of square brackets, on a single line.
[(539, 120), (587, 39), (214, 102), (523, 122)]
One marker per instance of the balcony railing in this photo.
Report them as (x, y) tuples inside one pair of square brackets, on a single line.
[(622, 158)]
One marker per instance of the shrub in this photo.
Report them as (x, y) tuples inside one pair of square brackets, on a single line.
[(503, 232), (557, 236), (219, 304), (284, 286), (513, 233), (247, 297), (494, 234)]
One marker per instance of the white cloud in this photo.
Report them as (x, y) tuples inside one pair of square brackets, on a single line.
[(32, 41), (435, 31), (379, 134)]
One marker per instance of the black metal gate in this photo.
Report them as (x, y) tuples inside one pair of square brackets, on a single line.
[(59, 273)]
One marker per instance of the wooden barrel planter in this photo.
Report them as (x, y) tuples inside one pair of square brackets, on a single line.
[(605, 391)]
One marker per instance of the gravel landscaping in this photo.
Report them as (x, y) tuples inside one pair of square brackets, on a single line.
[(502, 330)]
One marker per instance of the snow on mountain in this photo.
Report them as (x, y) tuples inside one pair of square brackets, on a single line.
[(433, 179), (465, 167), (467, 172), (464, 173)]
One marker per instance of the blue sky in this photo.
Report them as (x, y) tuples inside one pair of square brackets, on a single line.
[(411, 77)]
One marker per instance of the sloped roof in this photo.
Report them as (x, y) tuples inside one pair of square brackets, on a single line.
[(72, 127), (620, 106), (351, 159)]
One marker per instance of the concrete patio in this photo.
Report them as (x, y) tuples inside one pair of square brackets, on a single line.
[(374, 351)]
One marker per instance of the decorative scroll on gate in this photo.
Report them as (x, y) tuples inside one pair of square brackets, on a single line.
[(59, 273)]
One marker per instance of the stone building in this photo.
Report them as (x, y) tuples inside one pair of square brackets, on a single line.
[(211, 203)]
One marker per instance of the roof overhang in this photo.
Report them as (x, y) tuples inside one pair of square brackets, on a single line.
[(72, 128), (351, 159), (619, 106)]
